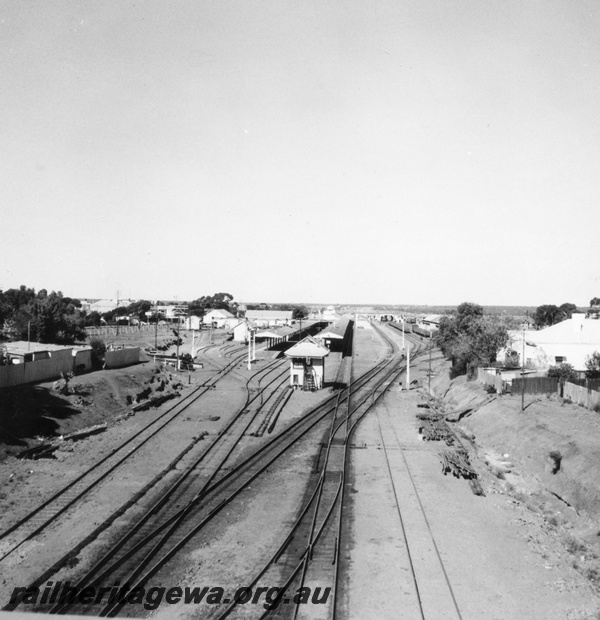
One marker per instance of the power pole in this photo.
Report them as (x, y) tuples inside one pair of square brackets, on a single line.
[(523, 375), (408, 366), (430, 345), (117, 315), (177, 353), (155, 326)]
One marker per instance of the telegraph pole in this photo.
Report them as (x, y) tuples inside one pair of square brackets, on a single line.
[(408, 366), (155, 326), (523, 374), (430, 346)]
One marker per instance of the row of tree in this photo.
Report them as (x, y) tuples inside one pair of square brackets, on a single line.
[(41, 316), (549, 314)]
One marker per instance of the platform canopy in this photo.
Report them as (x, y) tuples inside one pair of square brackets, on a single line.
[(308, 347), (337, 331)]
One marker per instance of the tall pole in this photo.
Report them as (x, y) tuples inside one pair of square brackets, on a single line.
[(403, 334), (523, 375), (117, 315), (430, 344), (250, 353), (177, 354), (28, 335), (408, 366), (155, 325)]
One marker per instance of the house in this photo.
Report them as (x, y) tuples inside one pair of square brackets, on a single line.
[(193, 322), (243, 330), (220, 318), (269, 318), (307, 364), (571, 341)]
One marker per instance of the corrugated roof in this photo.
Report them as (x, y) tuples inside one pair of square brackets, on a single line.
[(307, 347), (285, 315), (337, 330)]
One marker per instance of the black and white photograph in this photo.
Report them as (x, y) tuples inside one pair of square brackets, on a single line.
[(300, 309)]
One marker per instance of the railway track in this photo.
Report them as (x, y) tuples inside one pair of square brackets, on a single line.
[(311, 548), (426, 566), (152, 549), (48, 512)]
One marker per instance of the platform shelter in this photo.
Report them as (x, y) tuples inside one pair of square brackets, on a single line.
[(307, 364)]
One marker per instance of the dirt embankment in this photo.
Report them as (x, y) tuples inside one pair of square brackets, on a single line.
[(31, 414), (546, 456)]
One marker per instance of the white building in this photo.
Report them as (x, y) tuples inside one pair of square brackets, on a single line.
[(193, 322), (220, 318), (243, 330), (269, 318), (570, 341)]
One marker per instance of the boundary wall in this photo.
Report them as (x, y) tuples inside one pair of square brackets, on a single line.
[(63, 361), (41, 370), (581, 395), (117, 358)]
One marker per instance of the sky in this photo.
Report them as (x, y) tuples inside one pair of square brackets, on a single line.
[(323, 151)]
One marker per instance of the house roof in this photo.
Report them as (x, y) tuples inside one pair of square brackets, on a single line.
[(307, 347), (224, 314), (285, 315), (577, 330)]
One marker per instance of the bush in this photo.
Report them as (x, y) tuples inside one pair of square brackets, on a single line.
[(563, 371), (98, 352)]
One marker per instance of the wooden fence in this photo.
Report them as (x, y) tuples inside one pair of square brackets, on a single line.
[(111, 330), (535, 385)]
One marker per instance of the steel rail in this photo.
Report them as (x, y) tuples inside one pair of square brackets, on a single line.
[(182, 405)]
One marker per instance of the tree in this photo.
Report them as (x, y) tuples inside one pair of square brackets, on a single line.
[(470, 337), (299, 312), (592, 364), (595, 301), (92, 319), (563, 371), (566, 311), (546, 315)]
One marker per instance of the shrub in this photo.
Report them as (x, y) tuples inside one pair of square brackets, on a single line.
[(98, 352), (596, 408), (563, 371), (556, 457)]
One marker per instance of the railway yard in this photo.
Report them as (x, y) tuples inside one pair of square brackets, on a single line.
[(241, 482)]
